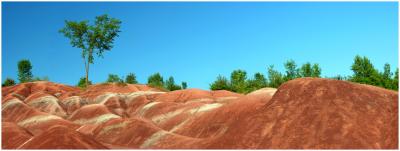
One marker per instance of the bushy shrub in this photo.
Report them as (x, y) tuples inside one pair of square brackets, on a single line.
[(131, 78), (82, 83), (8, 82), (24, 71), (221, 83), (170, 84), (156, 80), (113, 78)]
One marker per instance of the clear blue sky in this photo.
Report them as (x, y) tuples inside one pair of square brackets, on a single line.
[(196, 41)]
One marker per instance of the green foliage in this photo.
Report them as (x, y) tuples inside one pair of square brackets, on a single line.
[(339, 77), (259, 81), (113, 78), (305, 70), (95, 38), (82, 82), (170, 84), (131, 78), (45, 78), (24, 71), (156, 80), (184, 85), (291, 70), (8, 82), (221, 83), (275, 77), (395, 80), (238, 81), (364, 72), (316, 71)]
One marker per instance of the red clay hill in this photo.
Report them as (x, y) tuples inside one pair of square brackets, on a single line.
[(305, 113)]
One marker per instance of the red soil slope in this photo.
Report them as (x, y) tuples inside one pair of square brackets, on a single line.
[(306, 113)]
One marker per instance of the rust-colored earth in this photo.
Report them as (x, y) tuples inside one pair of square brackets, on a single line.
[(305, 113)]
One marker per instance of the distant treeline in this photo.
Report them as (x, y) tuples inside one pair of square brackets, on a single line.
[(363, 72)]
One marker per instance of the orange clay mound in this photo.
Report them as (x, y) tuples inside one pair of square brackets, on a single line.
[(305, 113)]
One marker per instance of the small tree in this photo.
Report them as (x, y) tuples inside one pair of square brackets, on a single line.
[(82, 83), (24, 71), (92, 38), (305, 70), (275, 77), (184, 85), (114, 78), (258, 82), (291, 70), (8, 82), (238, 81), (131, 78), (221, 83), (316, 71), (364, 72), (170, 84), (156, 80), (395, 80)]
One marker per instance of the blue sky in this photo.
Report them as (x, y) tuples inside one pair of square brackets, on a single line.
[(197, 41)]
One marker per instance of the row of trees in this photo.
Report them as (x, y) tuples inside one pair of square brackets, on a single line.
[(239, 82), (155, 80), (24, 74), (363, 72)]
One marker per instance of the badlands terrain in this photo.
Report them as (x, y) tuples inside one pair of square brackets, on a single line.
[(305, 113)]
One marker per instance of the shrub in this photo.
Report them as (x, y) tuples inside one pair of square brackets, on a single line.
[(170, 84), (24, 71), (221, 83), (114, 78), (184, 85), (82, 83), (8, 82), (156, 80), (131, 78)]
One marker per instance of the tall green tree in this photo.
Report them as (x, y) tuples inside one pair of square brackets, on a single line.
[(238, 81), (305, 70), (275, 77), (156, 80), (316, 70), (364, 72), (92, 38), (24, 71), (291, 70), (221, 83), (8, 82), (170, 84), (131, 78), (184, 85)]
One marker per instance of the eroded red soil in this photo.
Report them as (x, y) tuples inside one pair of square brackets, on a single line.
[(306, 113)]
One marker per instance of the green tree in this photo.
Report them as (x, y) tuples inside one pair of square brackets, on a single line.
[(305, 70), (24, 71), (8, 82), (156, 80), (275, 77), (131, 78), (184, 85), (45, 78), (98, 37), (316, 71), (395, 80), (170, 84), (221, 83), (238, 81), (291, 70), (114, 78), (364, 72), (259, 81), (82, 83)]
